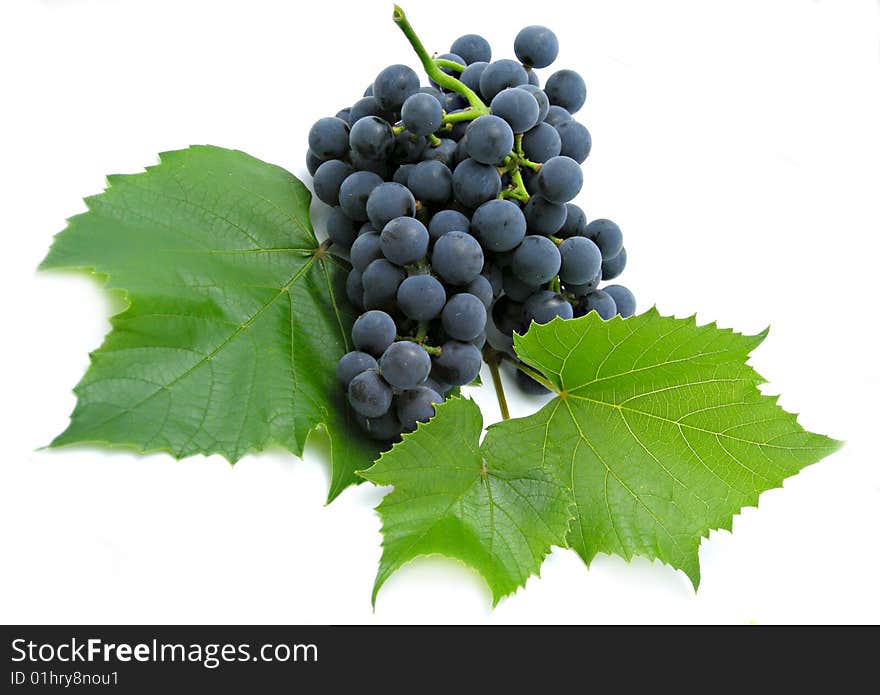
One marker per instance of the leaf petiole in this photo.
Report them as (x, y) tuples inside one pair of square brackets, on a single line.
[(546, 383)]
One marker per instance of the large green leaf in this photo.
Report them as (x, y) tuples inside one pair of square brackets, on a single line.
[(234, 323), (659, 430), (498, 514)]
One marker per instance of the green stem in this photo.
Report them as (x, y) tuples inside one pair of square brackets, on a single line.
[(422, 332), (435, 351), (468, 114), (555, 285), (518, 190), (491, 358), (449, 64), (434, 140), (535, 166), (398, 129), (430, 65), (537, 377)]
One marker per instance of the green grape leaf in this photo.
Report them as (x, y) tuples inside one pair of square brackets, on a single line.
[(234, 320), (658, 429), (498, 514)]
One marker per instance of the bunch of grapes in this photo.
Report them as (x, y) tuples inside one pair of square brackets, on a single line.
[(453, 203)]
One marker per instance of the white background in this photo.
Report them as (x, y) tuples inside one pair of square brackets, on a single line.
[(736, 143)]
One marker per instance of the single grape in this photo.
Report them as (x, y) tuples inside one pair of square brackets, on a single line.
[(368, 106), (500, 75), (463, 317), (369, 395), (496, 339), (471, 76), (460, 152), (371, 137), (560, 179), (436, 385), (539, 97), (431, 182), (481, 288), (328, 138), (457, 131), (340, 229), (585, 289), (507, 316), (421, 114), (388, 201), (448, 221), (515, 288), (354, 193), (556, 115), (544, 217), (530, 180), (401, 176), (404, 240), (408, 148), (517, 107), (499, 225), (455, 102), (576, 140), (624, 300), (536, 46), (405, 364), (364, 250), (566, 88), (479, 341), (379, 167), (457, 258), (474, 183), (581, 260), (444, 152), (534, 80), (421, 297), (458, 363), (328, 178), (614, 266), (453, 58), (344, 114), (385, 428), (373, 332), (353, 363), (494, 273), (536, 260), (381, 280), (354, 288), (542, 307), (416, 405), (541, 143), (530, 386), (575, 222), (607, 236), (472, 48), (313, 161), (434, 92), (368, 92), (393, 85), (489, 139), (601, 302)]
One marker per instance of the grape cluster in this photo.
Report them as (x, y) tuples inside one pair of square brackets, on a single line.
[(453, 203)]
